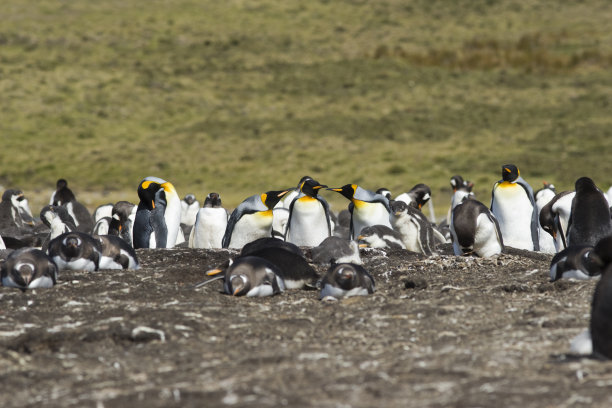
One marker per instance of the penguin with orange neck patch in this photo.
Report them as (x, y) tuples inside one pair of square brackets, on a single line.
[(251, 220), (309, 223), (514, 207)]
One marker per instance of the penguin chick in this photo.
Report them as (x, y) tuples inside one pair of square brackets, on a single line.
[(251, 276), (210, 224), (416, 231), (115, 253), (475, 230), (345, 280), (575, 262), (590, 217), (75, 250), (336, 250), (28, 268), (380, 236)]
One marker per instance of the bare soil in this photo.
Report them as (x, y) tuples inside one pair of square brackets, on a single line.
[(439, 331)]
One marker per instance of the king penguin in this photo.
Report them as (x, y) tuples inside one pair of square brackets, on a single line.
[(158, 216), (252, 219), (590, 217), (309, 219), (28, 268), (210, 224), (475, 230), (513, 204), (366, 208)]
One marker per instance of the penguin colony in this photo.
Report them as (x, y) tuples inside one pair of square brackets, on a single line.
[(272, 228)]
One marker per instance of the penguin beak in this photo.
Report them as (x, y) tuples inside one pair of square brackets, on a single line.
[(337, 190), (282, 193), (236, 292), (507, 170), (213, 272), (319, 187), (153, 204)]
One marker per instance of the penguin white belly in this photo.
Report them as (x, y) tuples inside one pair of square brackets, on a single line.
[(172, 216), (410, 234), (76, 264), (336, 292), (367, 214), (251, 227), (308, 225), (513, 210), (485, 240), (209, 228)]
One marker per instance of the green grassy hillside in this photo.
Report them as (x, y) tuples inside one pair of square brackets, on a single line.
[(240, 97)]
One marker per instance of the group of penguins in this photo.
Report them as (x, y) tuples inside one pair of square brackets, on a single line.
[(271, 229)]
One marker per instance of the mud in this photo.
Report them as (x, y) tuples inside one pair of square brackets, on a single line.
[(439, 331)]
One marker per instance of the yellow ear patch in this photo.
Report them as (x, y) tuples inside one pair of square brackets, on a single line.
[(264, 197), (167, 186), (145, 184)]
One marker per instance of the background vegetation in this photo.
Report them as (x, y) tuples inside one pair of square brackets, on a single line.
[(240, 97)]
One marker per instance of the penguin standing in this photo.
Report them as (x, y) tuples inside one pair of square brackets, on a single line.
[(461, 189), (15, 215), (252, 219), (158, 216), (190, 207), (416, 231), (554, 218), (366, 208), (75, 250), (28, 268), (475, 230), (309, 220), (345, 280), (58, 220), (123, 216), (514, 207), (590, 217), (417, 196), (210, 224), (64, 196), (542, 197)]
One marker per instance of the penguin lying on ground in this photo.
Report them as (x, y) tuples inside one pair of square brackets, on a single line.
[(345, 280), (309, 219), (380, 236), (28, 268), (590, 217), (575, 262), (475, 229), (115, 253), (75, 250), (210, 224), (15, 215), (336, 250), (250, 276)]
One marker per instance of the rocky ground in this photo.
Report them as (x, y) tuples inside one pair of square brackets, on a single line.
[(439, 331)]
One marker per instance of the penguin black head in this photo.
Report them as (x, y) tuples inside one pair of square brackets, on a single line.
[(603, 250), (213, 200), (510, 172), (50, 212), (385, 192), (9, 195), (302, 180), (189, 199), (311, 187), (151, 192), (398, 207), (63, 194), (456, 181), (348, 190), (421, 193), (271, 198), (72, 246), (585, 184)]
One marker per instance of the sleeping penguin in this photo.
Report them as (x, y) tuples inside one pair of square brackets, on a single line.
[(346, 280), (28, 268), (76, 251), (158, 216)]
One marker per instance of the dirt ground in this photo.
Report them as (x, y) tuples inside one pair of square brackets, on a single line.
[(439, 331)]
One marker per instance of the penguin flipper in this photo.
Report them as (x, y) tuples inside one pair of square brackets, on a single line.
[(326, 209), (351, 207), (500, 238), (535, 226), (290, 214), (229, 229)]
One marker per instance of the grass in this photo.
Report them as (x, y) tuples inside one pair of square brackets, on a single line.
[(241, 97)]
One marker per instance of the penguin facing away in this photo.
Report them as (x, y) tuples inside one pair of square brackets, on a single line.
[(346, 280), (475, 230), (158, 216), (75, 250), (252, 219), (210, 224), (590, 217), (309, 218), (336, 250), (514, 207), (28, 268)]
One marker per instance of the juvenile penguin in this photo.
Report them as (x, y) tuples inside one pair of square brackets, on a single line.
[(417, 233), (475, 230), (75, 250), (28, 268), (190, 207), (115, 253), (345, 280), (575, 262), (309, 219), (554, 218), (210, 224), (122, 221), (336, 250), (590, 217), (366, 208), (252, 219), (158, 216), (380, 236), (514, 206), (251, 276)]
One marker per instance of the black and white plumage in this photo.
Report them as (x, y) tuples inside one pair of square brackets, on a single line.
[(554, 218), (63, 196), (103, 211), (601, 307), (115, 253), (189, 209), (461, 189), (123, 216), (15, 215), (252, 219), (158, 217), (575, 262), (590, 217), (417, 196), (58, 220), (336, 250), (210, 224), (366, 208), (309, 220), (380, 236), (346, 280), (102, 226), (475, 229), (251, 276), (514, 207), (28, 268), (416, 231), (542, 197), (75, 250)]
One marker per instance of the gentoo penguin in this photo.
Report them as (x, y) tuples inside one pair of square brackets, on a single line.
[(190, 207), (575, 262), (554, 218), (252, 219), (345, 280), (309, 220), (210, 224), (15, 214), (590, 217), (58, 220), (513, 205), (158, 216), (251, 276), (542, 197), (28, 268), (380, 236), (336, 250), (417, 196), (366, 208), (416, 231), (75, 250), (461, 189), (80, 214), (103, 211), (62, 193), (601, 307), (385, 192), (115, 253), (102, 226), (122, 221), (475, 230)]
